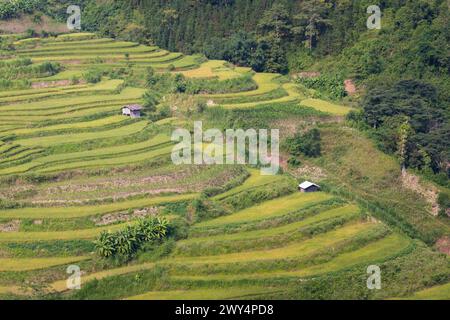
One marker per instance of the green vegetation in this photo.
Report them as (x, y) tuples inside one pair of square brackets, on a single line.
[(127, 241), (78, 177)]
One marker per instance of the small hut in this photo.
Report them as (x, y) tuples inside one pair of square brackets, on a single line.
[(308, 187), (132, 110)]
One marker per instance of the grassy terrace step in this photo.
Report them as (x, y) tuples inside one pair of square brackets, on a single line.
[(105, 86), (48, 141), (81, 52), (25, 264), (215, 69), (272, 208), (64, 114), (204, 294), (61, 285), (117, 161), (77, 43), (294, 250), (253, 181), (377, 251), (76, 125), (64, 102), (19, 156), (150, 57), (265, 85), (84, 156), (62, 47), (293, 95), (345, 211), (298, 249), (85, 211), (182, 63), (57, 235), (327, 107), (31, 92), (440, 292)]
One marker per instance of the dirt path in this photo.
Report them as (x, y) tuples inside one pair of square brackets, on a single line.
[(52, 84), (350, 87), (429, 192)]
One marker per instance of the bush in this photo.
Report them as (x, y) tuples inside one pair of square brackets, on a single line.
[(332, 86), (444, 203), (125, 243), (307, 143), (93, 76)]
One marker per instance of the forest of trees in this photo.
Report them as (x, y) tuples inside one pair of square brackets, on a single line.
[(404, 67)]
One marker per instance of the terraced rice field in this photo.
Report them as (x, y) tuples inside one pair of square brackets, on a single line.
[(78, 167)]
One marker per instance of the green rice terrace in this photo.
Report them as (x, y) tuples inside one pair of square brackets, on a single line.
[(75, 173)]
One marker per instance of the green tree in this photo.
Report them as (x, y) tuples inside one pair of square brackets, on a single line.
[(312, 20)]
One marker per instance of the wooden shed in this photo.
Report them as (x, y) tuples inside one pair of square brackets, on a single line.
[(308, 187), (132, 110)]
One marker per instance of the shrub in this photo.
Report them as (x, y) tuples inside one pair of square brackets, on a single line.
[(444, 203), (307, 143), (125, 243), (92, 76), (330, 85)]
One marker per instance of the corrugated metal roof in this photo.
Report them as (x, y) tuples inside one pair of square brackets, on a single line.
[(133, 107), (307, 184)]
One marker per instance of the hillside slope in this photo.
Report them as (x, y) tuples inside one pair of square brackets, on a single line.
[(73, 167)]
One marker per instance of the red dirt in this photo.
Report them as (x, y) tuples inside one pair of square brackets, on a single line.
[(306, 74), (443, 245), (350, 87), (25, 22), (51, 84)]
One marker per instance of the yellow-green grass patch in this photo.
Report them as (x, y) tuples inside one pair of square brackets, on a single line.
[(293, 95), (47, 141), (294, 250), (326, 106), (60, 102), (57, 235), (440, 292), (256, 179), (348, 211), (82, 53), (265, 82), (83, 211), (272, 208), (377, 251), (66, 113), (58, 47), (89, 154), (215, 69), (203, 294), (107, 85), (27, 264), (114, 161), (77, 125), (61, 284)]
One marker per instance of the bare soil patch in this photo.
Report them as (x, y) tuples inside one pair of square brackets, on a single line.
[(443, 245), (52, 84), (11, 226), (25, 22), (306, 74), (124, 216), (350, 87), (428, 191)]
